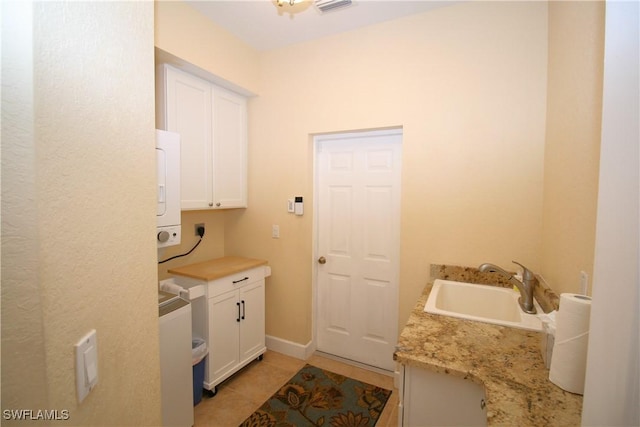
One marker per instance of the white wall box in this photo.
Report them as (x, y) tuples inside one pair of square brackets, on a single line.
[(212, 123), (231, 319)]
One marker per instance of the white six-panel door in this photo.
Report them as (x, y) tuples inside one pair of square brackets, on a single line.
[(358, 241)]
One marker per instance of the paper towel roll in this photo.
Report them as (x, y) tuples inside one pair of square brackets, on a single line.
[(569, 359)]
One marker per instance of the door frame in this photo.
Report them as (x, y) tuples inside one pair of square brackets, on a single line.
[(316, 139)]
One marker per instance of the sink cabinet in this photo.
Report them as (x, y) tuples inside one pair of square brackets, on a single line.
[(212, 123), (429, 398)]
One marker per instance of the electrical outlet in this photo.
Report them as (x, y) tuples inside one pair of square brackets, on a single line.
[(584, 282), (275, 231), (195, 229)]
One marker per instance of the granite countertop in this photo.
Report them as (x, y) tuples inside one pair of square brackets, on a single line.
[(217, 268), (506, 361)]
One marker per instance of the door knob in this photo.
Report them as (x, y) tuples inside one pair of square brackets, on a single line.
[(322, 260)]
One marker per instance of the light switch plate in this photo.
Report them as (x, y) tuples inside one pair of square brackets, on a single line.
[(86, 364)]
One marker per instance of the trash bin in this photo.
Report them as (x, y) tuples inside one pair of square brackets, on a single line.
[(198, 353)]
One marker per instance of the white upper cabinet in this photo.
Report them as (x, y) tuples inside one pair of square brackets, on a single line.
[(229, 149), (212, 123)]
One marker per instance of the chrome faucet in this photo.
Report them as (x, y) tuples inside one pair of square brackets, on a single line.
[(525, 287)]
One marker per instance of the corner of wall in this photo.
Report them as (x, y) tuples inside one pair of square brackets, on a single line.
[(572, 146), (185, 33)]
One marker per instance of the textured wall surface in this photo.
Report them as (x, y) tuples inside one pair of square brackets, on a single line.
[(23, 346), (186, 33), (572, 150), (467, 83), (92, 263), (211, 246)]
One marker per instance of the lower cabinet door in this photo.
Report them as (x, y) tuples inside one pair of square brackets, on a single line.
[(252, 333), (224, 325), (437, 399)]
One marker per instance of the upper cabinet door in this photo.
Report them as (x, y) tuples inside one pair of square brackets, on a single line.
[(189, 113), (229, 149), (212, 123)]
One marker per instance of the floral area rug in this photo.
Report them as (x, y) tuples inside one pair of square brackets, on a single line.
[(315, 397)]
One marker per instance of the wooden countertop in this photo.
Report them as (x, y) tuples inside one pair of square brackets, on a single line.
[(506, 361), (217, 268)]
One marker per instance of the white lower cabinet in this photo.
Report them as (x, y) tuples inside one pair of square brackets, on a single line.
[(224, 335), (230, 317), (236, 330), (429, 398)]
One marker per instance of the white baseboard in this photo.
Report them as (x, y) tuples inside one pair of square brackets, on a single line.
[(355, 363), (304, 352), (290, 348)]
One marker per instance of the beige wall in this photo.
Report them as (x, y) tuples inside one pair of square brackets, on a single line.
[(23, 345), (87, 146), (572, 151), (211, 246), (468, 85), (187, 34)]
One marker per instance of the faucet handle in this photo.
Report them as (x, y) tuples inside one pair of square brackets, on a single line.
[(526, 273)]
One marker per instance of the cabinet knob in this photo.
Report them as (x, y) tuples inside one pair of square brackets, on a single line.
[(322, 260), (210, 203), (218, 204)]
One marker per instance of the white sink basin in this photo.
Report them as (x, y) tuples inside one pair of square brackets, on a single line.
[(482, 303)]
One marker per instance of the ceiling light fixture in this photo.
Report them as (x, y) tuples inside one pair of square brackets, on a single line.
[(291, 2), (297, 6), (292, 7)]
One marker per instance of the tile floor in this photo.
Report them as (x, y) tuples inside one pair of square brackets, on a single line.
[(247, 390)]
